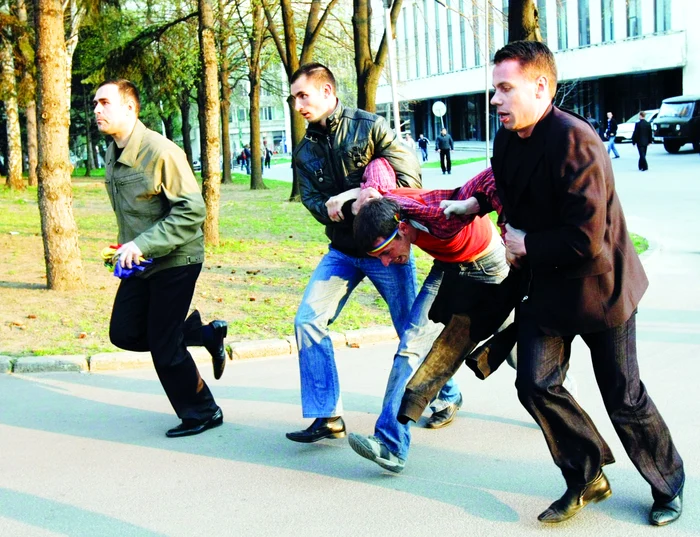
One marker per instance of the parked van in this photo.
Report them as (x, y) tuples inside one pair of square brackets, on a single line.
[(678, 123)]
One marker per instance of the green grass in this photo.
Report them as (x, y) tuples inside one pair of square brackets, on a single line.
[(456, 162), (254, 279)]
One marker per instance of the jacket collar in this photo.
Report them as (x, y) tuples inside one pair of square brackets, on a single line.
[(131, 150), (333, 119)]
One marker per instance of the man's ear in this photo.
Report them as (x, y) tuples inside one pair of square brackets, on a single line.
[(542, 87), (403, 227)]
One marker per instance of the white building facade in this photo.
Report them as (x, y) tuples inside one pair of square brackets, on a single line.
[(613, 55)]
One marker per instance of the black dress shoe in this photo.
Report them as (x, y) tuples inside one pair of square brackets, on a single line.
[(663, 513), (445, 416), (321, 428), (214, 343), (191, 427), (575, 499)]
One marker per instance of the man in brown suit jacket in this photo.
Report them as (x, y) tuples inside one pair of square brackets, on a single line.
[(581, 277)]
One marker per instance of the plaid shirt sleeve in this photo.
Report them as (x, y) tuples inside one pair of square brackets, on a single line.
[(427, 211)]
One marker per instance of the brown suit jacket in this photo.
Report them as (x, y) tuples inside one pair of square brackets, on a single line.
[(584, 274)]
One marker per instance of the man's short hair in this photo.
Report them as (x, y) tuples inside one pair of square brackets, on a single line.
[(534, 58), (377, 218), (317, 72), (127, 89), (642, 114)]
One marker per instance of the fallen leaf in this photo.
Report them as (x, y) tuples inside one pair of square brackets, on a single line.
[(354, 345), (256, 271), (219, 299), (252, 299), (233, 271), (82, 335), (31, 316), (16, 323)]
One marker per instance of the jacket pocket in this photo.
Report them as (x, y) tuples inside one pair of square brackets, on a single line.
[(136, 196), (356, 154)]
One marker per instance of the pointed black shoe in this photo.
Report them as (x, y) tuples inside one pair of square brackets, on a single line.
[(321, 428), (445, 416), (663, 513), (215, 345), (192, 427), (575, 499)]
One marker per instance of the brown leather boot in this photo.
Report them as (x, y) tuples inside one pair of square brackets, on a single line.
[(442, 362)]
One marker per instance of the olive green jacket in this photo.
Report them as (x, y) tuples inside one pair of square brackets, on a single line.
[(331, 160), (156, 199)]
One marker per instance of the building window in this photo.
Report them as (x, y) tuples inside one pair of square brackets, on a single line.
[(492, 35), (505, 21), (450, 55), (415, 38), (606, 12), (542, 17), (562, 36), (438, 45), (267, 113), (405, 43), (662, 15), (584, 23), (477, 34), (634, 18), (427, 38), (462, 35)]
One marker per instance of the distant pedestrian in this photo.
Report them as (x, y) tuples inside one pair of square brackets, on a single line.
[(267, 155), (593, 121), (610, 133), (423, 146), (248, 156), (641, 137), (444, 144)]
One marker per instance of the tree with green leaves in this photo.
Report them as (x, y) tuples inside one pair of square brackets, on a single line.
[(290, 53)]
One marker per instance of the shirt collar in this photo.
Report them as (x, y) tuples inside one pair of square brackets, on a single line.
[(131, 149)]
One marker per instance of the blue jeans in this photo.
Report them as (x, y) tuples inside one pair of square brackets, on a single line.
[(416, 343), (611, 146), (328, 290), (576, 446), (424, 153)]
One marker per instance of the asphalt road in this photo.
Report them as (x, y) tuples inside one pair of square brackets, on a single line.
[(85, 455)]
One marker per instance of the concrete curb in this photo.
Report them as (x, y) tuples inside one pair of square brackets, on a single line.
[(237, 350)]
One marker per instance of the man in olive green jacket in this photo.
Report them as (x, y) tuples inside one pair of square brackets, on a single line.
[(159, 211)]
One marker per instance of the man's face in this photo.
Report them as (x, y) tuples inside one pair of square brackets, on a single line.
[(313, 100), (113, 116), (517, 97), (609, 115), (443, 132), (397, 252)]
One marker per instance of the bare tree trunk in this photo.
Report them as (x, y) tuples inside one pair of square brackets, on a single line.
[(211, 182), (89, 155), (298, 129), (29, 85), (254, 75), (186, 127), (368, 66), (168, 125), (14, 137), (58, 227), (224, 75), (523, 21)]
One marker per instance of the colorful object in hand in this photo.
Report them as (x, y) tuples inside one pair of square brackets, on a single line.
[(111, 261)]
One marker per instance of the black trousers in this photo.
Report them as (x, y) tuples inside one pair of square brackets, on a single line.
[(149, 315), (445, 160), (642, 157), (576, 446)]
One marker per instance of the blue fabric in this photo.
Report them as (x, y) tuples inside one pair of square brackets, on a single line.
[(329, 288)]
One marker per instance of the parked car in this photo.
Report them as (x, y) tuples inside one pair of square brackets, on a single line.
[(678, 123), (625, 130)]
